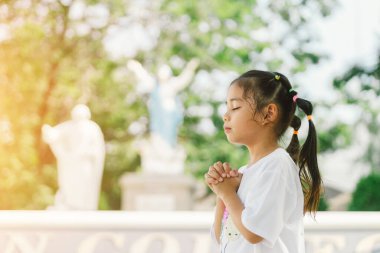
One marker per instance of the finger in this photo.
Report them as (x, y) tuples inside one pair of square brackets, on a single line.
[(227, 169), (209, 183), (209, 180), (219, 167), (234, 173), (218, 173), (212, 172), (212, 180)]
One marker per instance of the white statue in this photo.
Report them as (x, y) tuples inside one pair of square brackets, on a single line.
[(78, 145), (162, 153)]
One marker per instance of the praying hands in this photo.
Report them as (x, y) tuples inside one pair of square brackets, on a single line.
[(222, 179)]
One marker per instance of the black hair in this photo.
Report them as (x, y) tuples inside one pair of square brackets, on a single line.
[(262, 88)]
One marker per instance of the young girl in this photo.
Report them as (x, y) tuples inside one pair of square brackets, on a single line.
[(260, 208)]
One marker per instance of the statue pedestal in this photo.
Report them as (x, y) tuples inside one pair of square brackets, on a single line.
[(157, 157), (157, 192)]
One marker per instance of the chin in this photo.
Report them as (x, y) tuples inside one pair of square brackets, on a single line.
[(234, 141)]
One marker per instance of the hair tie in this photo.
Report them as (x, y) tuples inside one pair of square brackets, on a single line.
[(309, 117), (295, 132), (277, 77), (295, 98)]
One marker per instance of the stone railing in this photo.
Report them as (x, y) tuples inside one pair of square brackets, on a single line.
[(165, 232)]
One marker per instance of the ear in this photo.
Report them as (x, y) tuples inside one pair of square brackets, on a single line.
[(270, 114)]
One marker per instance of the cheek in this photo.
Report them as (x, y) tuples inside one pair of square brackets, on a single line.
[(247, 128), (243, 118), (243, 126)]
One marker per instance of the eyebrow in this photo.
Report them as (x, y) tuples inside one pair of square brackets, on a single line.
[(235, 99)]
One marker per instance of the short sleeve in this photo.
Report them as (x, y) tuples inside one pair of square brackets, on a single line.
[(213, 236), (265, 204)]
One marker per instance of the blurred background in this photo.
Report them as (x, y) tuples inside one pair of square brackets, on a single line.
[(64, 60), (55, 54)]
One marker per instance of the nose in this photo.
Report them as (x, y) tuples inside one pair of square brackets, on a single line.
[(226, 116)]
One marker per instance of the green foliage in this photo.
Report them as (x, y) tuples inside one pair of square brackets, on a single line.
[(334, 138), (360, 88), (366, 196), (114, 111), (47, 66), (45, 69), (323, 205), (214, 26)]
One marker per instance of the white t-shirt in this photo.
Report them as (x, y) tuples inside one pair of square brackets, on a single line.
[(272, 196)]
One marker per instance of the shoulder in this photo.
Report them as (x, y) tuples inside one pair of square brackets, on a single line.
[(279, 162), (283, 172)]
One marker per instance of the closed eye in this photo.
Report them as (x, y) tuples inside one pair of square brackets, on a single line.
[(233, 109)]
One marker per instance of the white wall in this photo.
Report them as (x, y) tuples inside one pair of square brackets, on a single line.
[(165, 232)]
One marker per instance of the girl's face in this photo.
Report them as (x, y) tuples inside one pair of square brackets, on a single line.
[(241, 124)]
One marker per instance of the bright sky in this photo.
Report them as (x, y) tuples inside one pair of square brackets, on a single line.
[(353, 33), (350, 36)]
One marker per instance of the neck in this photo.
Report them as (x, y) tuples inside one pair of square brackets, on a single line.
[(258, 150)]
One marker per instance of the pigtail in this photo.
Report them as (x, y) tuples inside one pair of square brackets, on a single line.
[(309, 172), (294, 146)]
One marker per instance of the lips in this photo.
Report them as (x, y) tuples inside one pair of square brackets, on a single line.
[(227, 129)]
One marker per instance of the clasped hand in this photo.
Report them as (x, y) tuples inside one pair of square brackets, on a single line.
[(222, 180)]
